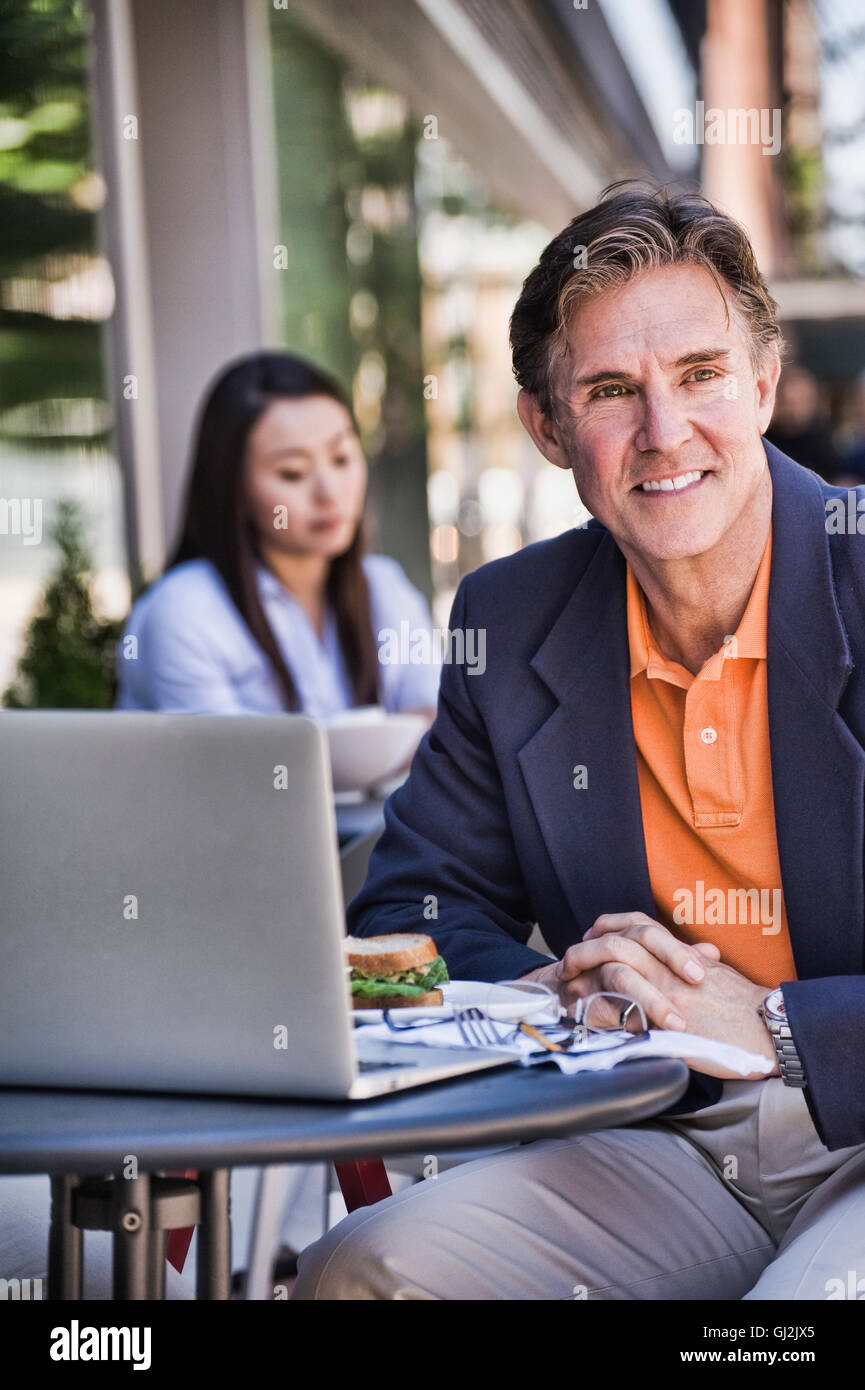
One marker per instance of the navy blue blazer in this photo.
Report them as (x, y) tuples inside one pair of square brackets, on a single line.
[(488, 833)]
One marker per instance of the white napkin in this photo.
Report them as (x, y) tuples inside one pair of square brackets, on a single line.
[(591, 1056)]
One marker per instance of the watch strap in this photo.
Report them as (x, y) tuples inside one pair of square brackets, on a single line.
[(789, 1062)]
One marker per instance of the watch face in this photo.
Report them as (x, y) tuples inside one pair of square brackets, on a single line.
[(775, 1004)]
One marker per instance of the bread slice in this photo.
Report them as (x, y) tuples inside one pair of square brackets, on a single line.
[(399, 1001), (390, 955)]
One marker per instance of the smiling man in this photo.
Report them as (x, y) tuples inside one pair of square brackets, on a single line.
[(669, 735)]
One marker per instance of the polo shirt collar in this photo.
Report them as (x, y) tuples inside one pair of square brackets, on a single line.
[(750, 635)]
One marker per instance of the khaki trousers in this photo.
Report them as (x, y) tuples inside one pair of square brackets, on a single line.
[(737, 1201)]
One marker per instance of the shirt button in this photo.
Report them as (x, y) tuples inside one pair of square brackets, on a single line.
[(708, 735)]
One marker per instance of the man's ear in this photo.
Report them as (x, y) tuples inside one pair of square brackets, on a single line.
[(542, 428), (767, 385)]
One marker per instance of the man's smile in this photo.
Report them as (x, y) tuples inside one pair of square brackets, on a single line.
[(667, 484)]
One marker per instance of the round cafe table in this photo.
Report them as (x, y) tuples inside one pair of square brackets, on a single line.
[(85, 1140)]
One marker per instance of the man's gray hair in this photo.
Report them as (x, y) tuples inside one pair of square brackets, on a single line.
[(634, 227)]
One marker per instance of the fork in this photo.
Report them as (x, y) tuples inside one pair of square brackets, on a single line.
[(476, 1028)]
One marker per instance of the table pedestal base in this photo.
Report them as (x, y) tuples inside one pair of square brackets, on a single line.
[(139, 1211)]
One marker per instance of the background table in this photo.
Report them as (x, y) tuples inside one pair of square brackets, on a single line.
[(75, 1134), (358, 825)]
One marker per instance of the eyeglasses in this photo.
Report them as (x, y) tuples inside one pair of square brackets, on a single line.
[(607, 1020), (599, 1021)]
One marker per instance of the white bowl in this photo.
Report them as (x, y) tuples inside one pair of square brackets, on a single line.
[(358, 714), (369, 745)]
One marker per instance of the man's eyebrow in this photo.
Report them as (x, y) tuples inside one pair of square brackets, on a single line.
[(298, 449), (690, 359), (605, 375), (693, 359)]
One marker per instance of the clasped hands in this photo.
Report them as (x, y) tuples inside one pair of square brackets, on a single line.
[(681, 987)]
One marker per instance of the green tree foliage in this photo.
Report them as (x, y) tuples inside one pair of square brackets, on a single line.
[(46, 202), (68, 658)]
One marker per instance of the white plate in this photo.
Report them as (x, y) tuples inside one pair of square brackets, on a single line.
[(509, 1005)]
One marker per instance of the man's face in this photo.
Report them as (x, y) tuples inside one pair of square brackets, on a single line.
[(659, 389)]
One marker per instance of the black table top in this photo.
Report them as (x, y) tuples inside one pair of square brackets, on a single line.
[(88, 1132)]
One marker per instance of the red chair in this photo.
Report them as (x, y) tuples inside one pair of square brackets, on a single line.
[(362, 1182)]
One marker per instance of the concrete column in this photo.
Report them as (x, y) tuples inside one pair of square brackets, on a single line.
[(736, 76), (129, 346), (206, 216)]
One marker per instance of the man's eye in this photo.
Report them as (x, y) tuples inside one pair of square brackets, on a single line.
[(704, 374), (614, 386), (342, 459), (288, 476)]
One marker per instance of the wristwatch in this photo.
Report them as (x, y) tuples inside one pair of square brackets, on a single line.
[(773, 1012)]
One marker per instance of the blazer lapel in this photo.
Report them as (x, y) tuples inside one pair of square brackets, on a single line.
[(818, 767), (593, 832)]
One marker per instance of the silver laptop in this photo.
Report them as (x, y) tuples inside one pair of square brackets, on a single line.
[(171, 913)]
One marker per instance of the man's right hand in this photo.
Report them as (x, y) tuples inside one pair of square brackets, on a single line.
[(602, 978)]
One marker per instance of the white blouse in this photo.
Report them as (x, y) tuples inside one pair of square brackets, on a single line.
[(186, 647)]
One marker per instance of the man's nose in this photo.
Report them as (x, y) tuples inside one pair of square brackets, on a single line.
[(664, 426)]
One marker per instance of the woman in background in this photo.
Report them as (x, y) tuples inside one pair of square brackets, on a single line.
[(270, 604), (269, 601)]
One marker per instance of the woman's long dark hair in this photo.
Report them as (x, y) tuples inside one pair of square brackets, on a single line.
[(215, 525)]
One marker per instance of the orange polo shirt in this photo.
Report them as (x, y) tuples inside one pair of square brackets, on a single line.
[(706, 790)]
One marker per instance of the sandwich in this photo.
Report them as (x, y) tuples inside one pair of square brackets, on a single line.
[(394, 972)]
